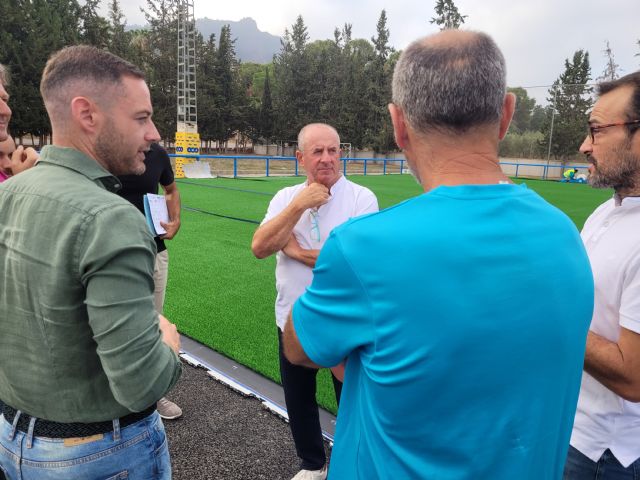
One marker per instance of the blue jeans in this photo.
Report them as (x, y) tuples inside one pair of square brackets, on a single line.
[(581, 467), (136, 452)]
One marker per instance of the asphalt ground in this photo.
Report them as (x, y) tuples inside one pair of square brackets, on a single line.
[(223, 435)]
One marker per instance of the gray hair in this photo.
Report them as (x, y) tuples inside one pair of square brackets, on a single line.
[(303, 133), (4, 75), (451, 83), (82, 70)]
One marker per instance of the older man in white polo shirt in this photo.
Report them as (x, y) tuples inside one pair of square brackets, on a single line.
[(605, 443), (297, 223)]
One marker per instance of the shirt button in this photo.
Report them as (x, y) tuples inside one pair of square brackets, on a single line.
[(606, 224)]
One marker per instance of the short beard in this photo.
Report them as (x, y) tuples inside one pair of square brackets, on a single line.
[(622, 169), (111, 157)]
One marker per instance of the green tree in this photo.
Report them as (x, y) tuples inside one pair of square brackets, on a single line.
[(119, 38), (292, 83), (156, 50), (447, 15), (378, 131), (265, 123), (95, 30), (226, 92), (354, 103), (29, 33), (570, 96), (538, 118), (206, 87), (524, 107)]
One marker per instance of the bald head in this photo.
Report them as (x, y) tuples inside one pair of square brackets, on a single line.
[(82, 71), (304, 133), (453, 80)]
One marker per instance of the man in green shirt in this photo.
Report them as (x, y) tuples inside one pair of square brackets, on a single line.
[(83, 354)]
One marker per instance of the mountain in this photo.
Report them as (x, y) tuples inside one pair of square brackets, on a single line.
[(251, 45)]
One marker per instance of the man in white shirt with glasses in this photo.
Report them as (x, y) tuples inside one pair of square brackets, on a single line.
[(298, 222), (605, 443)]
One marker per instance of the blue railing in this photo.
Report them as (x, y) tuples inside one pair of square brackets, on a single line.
[(268, 159), (366, 163)]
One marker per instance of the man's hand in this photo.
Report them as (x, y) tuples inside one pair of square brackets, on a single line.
[(294, 250), (312, 196), (172, 228), (170, 334), (23, 158), (274, 235), (172, 197)]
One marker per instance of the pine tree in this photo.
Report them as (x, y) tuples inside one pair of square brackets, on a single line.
[(292, 83), (157, 53), (266, 111), (226, 93), (119, 39), (206, 87), (95, 29), (570, 97), (379, 133), (524, 107), (447, 15), (611, 68), (354, 101)]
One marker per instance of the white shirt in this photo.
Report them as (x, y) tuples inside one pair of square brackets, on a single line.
[(292, 277), (612, 238)]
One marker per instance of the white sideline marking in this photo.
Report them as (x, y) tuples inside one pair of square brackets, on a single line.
[(245, 391), (231, 383), (276, 409), (191, 360)]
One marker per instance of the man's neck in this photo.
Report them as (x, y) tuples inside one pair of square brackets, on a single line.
[(465, 159), (627, 192), (78, 143), (462, 169)]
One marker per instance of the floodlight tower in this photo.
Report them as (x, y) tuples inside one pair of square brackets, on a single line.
[(187, 137)]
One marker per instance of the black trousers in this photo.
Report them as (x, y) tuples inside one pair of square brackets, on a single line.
[(299, 385)]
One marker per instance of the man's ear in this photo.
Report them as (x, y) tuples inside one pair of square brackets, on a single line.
[(508, 108), (399, 126), (300, 157), (84, 113)]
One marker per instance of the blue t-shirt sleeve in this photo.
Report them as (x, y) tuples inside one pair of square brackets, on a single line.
[(334, 316)]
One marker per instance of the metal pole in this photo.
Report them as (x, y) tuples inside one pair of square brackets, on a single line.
[(553, 116)]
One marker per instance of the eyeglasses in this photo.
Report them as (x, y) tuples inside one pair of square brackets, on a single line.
[(593, 129), (315, 226)]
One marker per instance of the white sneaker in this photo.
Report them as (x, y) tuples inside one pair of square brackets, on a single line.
[(311, 474)]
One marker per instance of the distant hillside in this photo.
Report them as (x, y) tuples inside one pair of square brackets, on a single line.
[(251, 45)]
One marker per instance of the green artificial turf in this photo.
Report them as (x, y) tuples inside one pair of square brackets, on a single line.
[(222, 296)]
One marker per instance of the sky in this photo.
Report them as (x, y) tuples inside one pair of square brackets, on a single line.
[(536, 36)]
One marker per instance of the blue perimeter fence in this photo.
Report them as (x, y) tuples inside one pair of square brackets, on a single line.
[(358, 166)]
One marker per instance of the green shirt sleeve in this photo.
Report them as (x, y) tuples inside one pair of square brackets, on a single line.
[(117, 273)]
